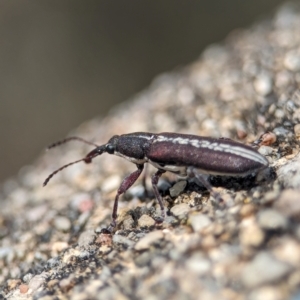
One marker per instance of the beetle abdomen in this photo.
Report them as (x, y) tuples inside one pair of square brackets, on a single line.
[(210, 155)]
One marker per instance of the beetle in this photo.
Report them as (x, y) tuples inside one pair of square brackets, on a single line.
[(185, 155)]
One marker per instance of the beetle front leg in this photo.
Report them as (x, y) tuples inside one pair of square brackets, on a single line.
[(154, 179), (144, 177), (127, 182)]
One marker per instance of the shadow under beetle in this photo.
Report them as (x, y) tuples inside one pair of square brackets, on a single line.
[(182, 154)]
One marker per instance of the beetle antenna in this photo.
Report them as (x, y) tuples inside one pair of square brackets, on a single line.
[(71, 138), (87, 159), (61, 168)]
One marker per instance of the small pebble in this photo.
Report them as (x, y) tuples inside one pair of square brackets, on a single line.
[(251, 234), (148, 239), (137, 191), (289, 174), (290, 106), (296, 115), (84, 254), (83, 218), (171, 220), (62, 223), (208, 242), (288, 203), (37, 281), (292, 60), (267, 293), (270, 219), (86, 205), (104, 239), (67, 283), (288, 251), (297, 130), (280, 131), (264, 269), (68, 256), (52, 283), (5, 251), (263, 84), (86, 238), (199, 221), (247, 210), (53, 262), (12, 283), (283, 79), (110, 293), (180, 210), (163, 185), (270, 196), (122, 240), (186, 95), (297, 232), (267, 139), (23, 288), (198, 264), (279, 113), (77, 199), (177, 188), (144, 259), (57, 247), (146, 221), (111, 183), (27, 277), (265, 150), (128, 222), (36, 213)]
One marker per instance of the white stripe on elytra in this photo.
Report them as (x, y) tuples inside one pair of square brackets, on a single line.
[(215, 146), (147, 137)]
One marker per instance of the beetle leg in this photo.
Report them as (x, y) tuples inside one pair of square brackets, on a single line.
[(154, 179), (144, 177), (192, 172), (127, 182)]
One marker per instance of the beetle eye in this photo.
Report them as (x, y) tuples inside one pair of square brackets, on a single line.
[(110, 149)]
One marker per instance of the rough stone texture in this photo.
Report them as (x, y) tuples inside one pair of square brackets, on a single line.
[(177, 188), (264, 269), (52, 245)]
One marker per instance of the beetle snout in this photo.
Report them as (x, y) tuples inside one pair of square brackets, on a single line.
[(97, 151)]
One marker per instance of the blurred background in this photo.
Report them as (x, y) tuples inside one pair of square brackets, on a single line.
[(65, 61)]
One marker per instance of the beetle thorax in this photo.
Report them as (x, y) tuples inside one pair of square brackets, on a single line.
[(133, 147)]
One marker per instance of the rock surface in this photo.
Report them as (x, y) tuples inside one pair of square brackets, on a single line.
[(52, 245)]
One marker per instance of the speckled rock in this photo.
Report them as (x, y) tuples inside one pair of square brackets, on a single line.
[(270, 219), (62, 223), (289, 174), (86, 238), (146, 221), (122, 240), (148, 239), (263, 84), (251, 234), (288, 202), (264, 269), (199, 221), (267, 293), (54, 241), (177, 188), (180, 210)]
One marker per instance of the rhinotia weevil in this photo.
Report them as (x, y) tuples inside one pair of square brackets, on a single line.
[(182, 154)]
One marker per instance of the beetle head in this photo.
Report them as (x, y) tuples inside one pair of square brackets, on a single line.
[(110, 148)]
